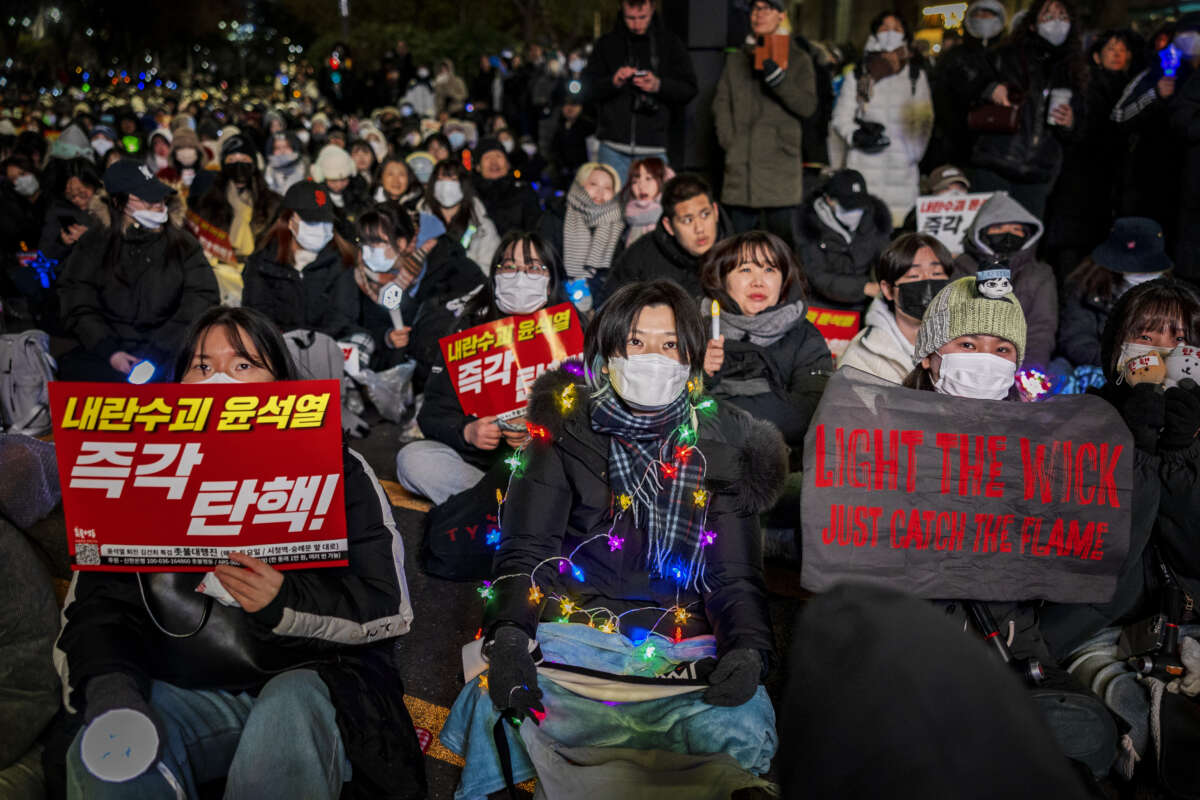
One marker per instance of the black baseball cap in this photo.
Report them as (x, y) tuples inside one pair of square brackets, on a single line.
[(310, 200), (127, 176), (848, 188)]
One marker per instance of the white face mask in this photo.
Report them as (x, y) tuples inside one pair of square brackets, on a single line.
[(101, 145), (508, 145), (890, 40), (984, 27), (186, 156), (521, 292), (187, 176), (530, 149), (649, 381), (283, 160), (304, 136), (149, 219), (26, 185), (448, 193), (1054, 31), (576, 64), (376, 259), (457, 139), (980, 376), (1188, 43), (313, 236), (220, 377), (1134, 278), (1132, 350), (338, 199), (160, 162), (849, 217)]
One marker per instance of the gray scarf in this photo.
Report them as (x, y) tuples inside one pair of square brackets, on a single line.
[(763, 329), (590, 233)]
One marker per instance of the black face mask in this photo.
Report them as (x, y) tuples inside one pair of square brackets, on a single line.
[(1003, 244), (914, 297), (238, 171)]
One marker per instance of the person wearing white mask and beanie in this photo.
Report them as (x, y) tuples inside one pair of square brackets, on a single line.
[(295, 276), (348, 191), (459, 448), (133, 283), (884, 116)]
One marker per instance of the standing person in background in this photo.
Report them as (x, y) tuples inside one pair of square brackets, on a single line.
[(1041, 63), (1184, 117), (885, 115), (639, 73), (959, 79), (758, 115), (568, 144), (449, 91)]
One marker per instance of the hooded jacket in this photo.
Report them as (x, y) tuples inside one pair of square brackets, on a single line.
[(780, 383), (621, 117), (879, 348), (144, 306), (563, 498), (658, 254), (316, 298), (838, 263), (341, 621), (760, 128), (1033, 281)]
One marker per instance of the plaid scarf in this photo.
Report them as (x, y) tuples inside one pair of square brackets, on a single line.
[(643, 466)]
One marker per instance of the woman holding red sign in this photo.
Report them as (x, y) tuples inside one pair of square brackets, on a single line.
[(177, 690), (458, 449)]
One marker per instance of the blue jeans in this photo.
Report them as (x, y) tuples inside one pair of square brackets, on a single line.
[(284, 743), (622, 162)]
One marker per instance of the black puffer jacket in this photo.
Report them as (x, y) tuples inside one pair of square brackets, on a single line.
[(318, 298), (658, 51), (780, 383), (564, 497), (321, 619), (658, 255), (1081, 323), (512, 204), (1034, 154), (836, 268), (146, 303)]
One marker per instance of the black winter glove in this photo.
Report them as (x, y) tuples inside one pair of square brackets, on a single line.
[(114, 690), (1181, 417), (735, 679), (512, 675), (773, 74), (1143, 409)]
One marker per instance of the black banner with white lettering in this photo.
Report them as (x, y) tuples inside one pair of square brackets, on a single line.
[(946, 497)]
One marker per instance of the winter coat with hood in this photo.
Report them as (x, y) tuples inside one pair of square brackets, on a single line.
[(838, 262), (658, 51), (1031, 68), (903, 105), (658, 254), (957, 82), (317, 298), (879, 349), (781, 382), (340, 621), (158, 284), (1032, 280), (760, 128), (564, 498)]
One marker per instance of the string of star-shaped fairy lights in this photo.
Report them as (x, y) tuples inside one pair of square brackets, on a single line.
[(682, 446)]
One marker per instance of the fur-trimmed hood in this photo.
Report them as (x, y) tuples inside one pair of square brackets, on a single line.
[(746, 457)]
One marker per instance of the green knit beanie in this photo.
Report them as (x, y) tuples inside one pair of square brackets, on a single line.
[(960, 310)]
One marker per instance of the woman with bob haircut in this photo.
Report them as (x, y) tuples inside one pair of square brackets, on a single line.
[(769, 360), (306, 651)]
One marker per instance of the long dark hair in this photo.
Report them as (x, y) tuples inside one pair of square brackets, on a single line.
[(1091, 279), (897, 258), (377, 184), (1154, 305), (757, 246), (272, 356), (466, 209), (213, 206), (482, 307), (1071, 50), (606, 335)]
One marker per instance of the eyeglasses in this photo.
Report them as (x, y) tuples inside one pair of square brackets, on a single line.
[(761, 8), (533, 267)]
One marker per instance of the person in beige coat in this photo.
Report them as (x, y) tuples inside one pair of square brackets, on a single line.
[(758, 116)]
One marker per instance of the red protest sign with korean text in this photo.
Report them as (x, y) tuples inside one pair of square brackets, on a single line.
[(172, 477), (838, 326), (493, 366)]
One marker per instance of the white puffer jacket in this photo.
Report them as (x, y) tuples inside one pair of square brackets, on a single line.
[(906, 112), (879, 348)]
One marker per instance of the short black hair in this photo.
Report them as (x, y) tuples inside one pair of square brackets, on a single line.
[(684, 187), (897, 259), (382, 222), (273, 354), (610, 328)]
